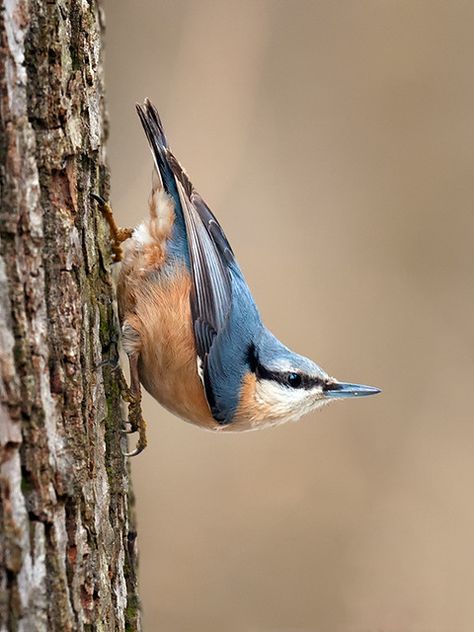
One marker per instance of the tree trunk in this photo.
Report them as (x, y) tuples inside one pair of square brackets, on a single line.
[(67, 538)]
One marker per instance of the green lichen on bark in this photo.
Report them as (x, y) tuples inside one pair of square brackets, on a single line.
[(67, 533)]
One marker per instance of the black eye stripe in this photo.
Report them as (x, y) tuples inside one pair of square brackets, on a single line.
[(285, 378), (303, 381)]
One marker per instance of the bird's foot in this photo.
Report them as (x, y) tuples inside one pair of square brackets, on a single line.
[(118, 234), (137, 423), (125, 391)]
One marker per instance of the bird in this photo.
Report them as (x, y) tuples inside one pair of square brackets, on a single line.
[(190, 327)]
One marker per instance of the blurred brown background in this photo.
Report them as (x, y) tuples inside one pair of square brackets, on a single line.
[(335, 142)]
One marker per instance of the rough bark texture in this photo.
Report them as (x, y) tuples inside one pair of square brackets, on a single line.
[(67, 541)]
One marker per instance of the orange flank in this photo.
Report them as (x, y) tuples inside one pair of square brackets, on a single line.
[(167, 363)]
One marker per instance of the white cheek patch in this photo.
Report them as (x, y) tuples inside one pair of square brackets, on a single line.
[(282, 404)]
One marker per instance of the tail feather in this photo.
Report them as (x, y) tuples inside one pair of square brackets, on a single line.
[(172, 172), (152, 125), (150, 119), (163, 176)]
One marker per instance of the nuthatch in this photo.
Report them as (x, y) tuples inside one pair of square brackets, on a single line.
[(190, 327)]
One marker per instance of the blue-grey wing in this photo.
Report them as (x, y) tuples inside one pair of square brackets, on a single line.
[(224, 314), (210, 256)]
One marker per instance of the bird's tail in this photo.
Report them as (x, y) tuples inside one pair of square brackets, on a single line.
[(153, 127), (164, 177)]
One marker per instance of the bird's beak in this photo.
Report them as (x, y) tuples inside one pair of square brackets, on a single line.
[(343, 389)]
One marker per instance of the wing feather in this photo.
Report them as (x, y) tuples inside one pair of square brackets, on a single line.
[(211, 293)]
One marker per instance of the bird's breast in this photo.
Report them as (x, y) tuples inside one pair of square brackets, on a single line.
[(168, 358)]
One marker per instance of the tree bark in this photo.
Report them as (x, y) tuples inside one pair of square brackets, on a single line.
[(67, 535)]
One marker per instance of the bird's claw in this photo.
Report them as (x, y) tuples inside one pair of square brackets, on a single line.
[(118, 234), (141, 445), (137, 423), (99, 199), (135, 452)]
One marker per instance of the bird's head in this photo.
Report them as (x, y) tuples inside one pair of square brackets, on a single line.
[(288, 385)]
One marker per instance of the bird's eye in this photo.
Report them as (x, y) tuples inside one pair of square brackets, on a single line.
[(294, 380)]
